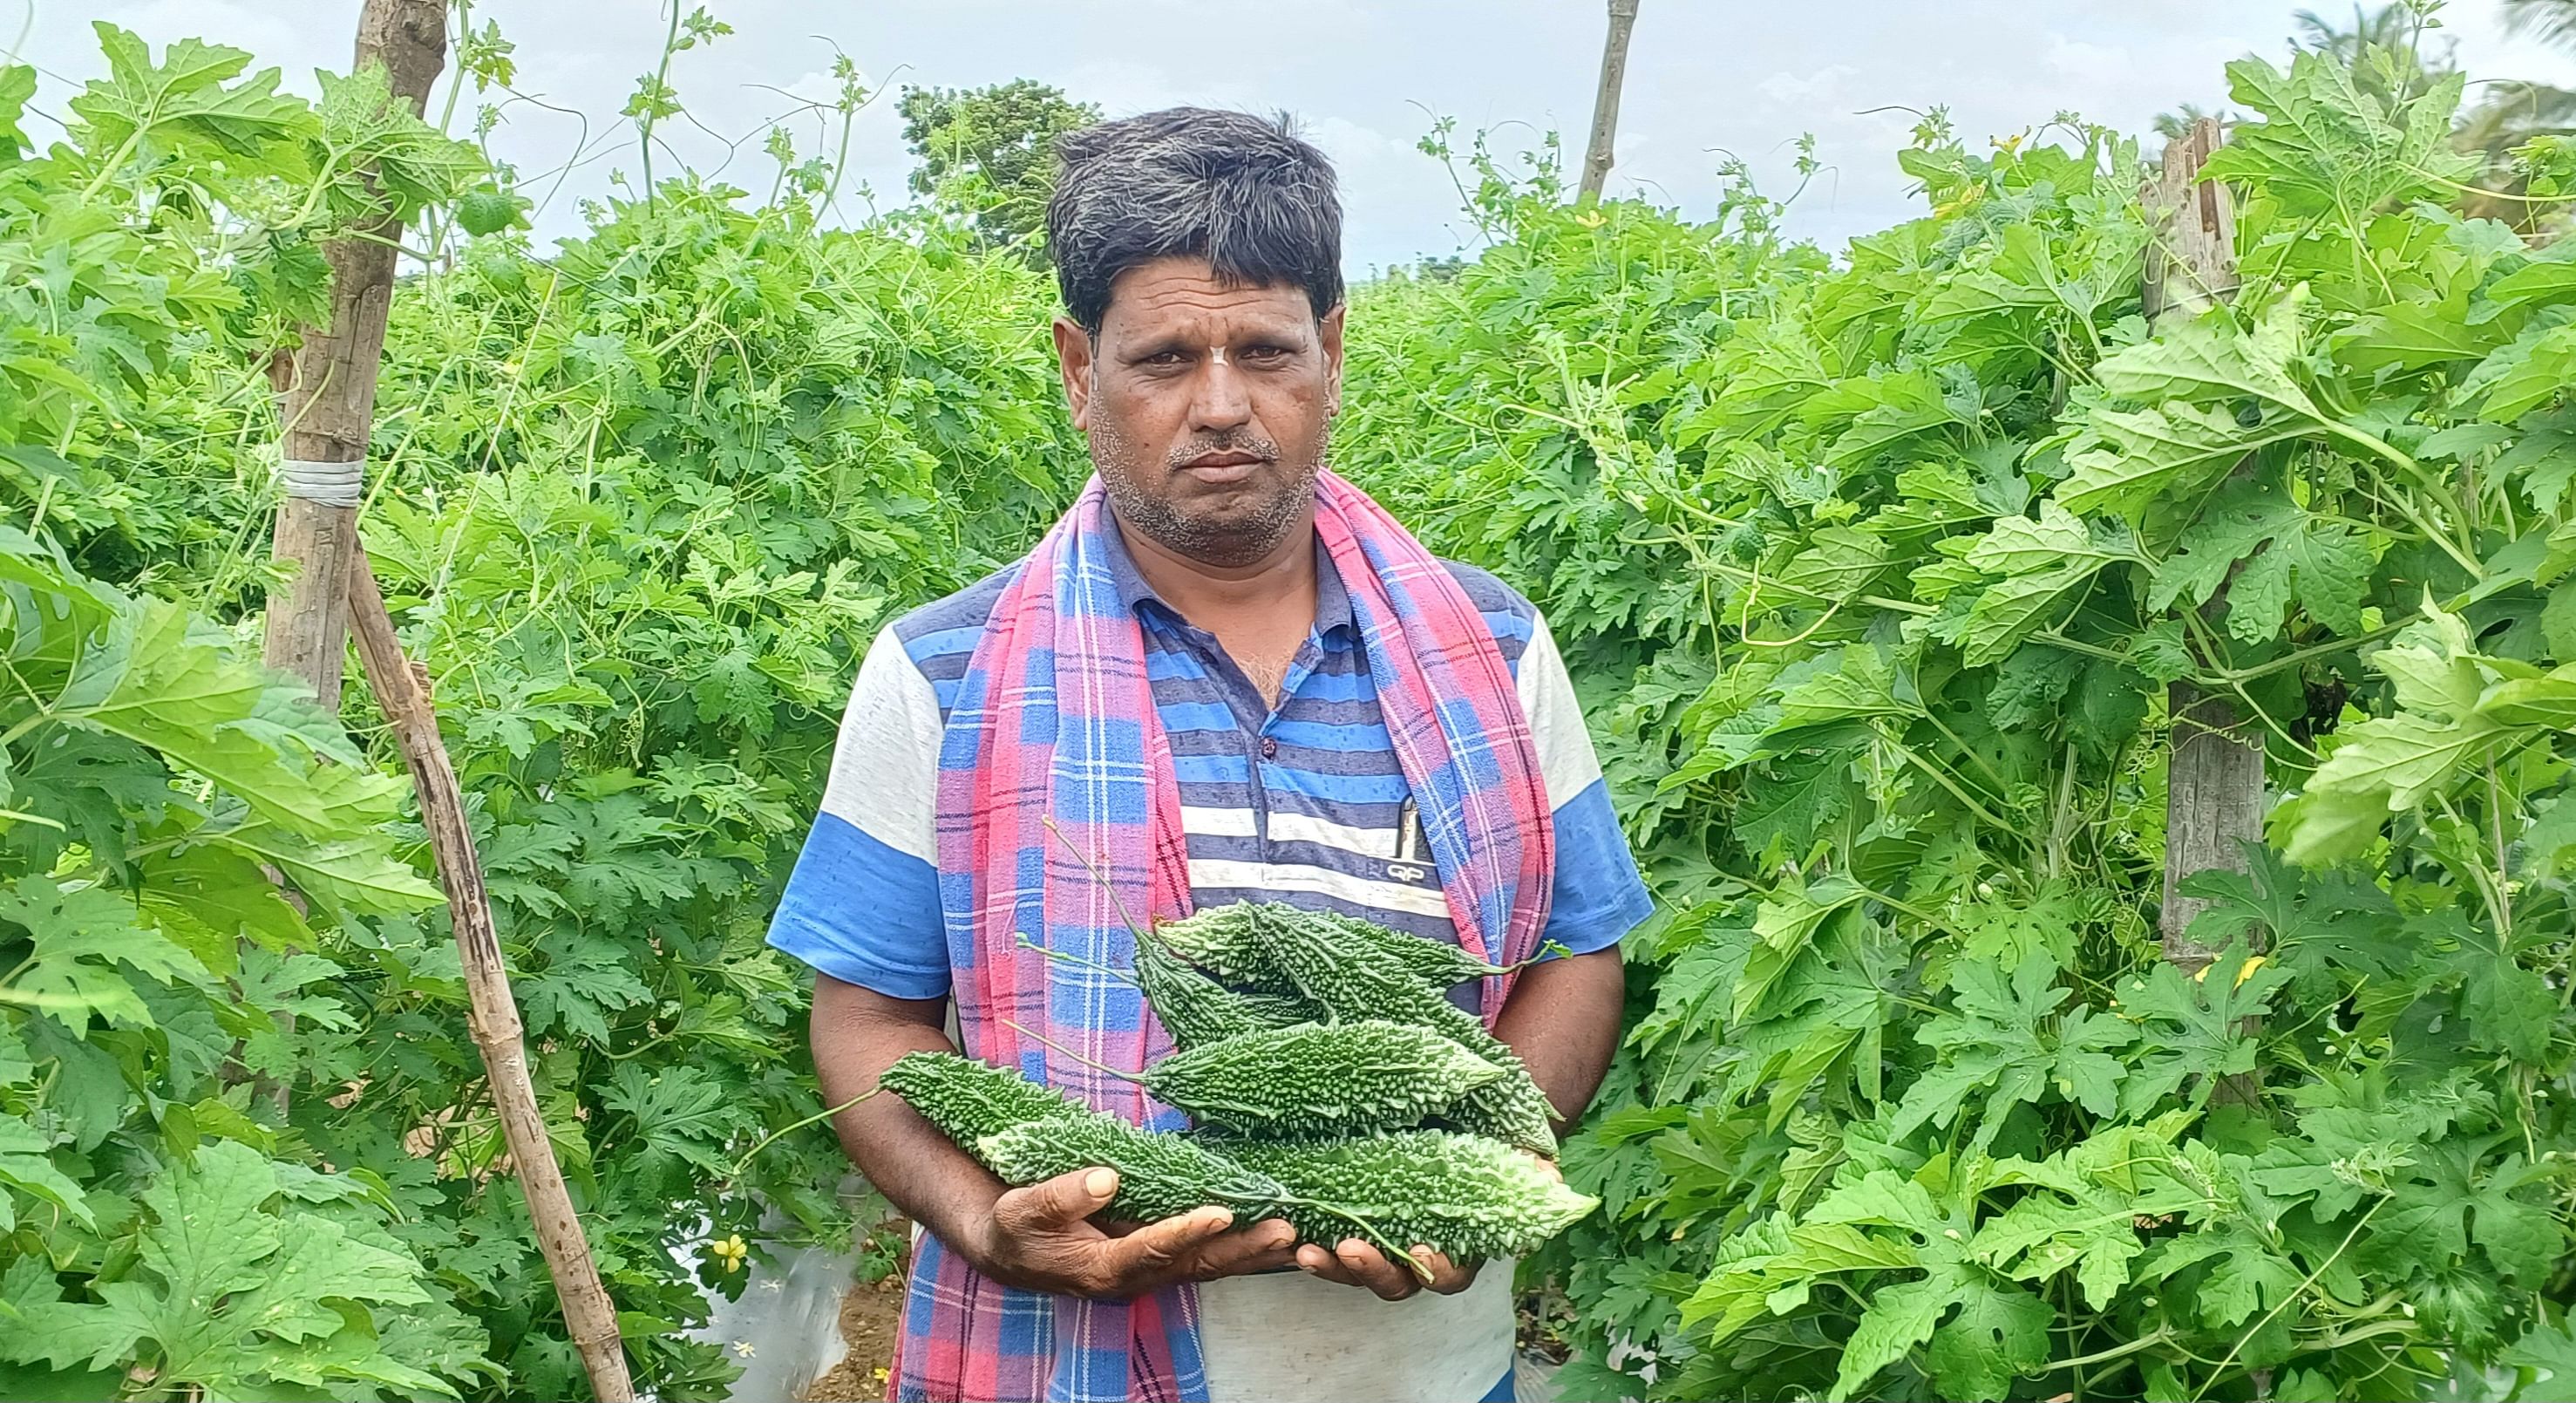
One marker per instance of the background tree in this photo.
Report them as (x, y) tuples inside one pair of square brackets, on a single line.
[(990, 152)]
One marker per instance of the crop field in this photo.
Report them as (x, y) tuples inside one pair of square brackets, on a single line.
[(1904, 584)]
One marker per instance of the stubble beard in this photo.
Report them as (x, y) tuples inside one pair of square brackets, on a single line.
[(1239, 541)]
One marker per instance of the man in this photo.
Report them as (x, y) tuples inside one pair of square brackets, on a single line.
[(1226, 675)]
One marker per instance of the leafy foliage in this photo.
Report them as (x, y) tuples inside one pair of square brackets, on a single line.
[(1873, 570), (1877, 570), (991, 150), (642, 503)]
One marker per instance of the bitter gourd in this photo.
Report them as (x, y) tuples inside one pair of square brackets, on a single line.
[(1468, 1196), (1234, 943), (1197, 1010), (1231, 942), (1159, 1176), (968, 1099), (1321, 1079), (1356, 982), (1435, 962)]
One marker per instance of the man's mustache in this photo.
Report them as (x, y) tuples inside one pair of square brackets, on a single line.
[(1253, 444)]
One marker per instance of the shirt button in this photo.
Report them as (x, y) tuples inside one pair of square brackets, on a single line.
[(1269, 748)]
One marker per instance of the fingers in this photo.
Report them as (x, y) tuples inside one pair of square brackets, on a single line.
[(1156, 1250), (1059, 1202), (1259, 1247), (1448, 1277), (1355, 1263)]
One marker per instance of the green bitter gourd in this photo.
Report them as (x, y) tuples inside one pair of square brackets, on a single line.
[(1197, 1010), (1318, 1079), (1358, 982), (1233, 942), (1466, 1195), (968, 1099), (1159, 1176)]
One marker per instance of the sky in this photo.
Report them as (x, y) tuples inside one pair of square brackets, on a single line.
[(1706, 78)]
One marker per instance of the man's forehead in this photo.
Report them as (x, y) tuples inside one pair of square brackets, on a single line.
[(1176, 292)]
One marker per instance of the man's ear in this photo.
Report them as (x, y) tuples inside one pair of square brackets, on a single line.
[(1328, 332), (1073, 350)]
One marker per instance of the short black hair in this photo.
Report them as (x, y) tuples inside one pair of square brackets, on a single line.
[(1244, 193)]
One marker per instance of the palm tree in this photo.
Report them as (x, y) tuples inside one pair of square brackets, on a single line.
[(2514, 113), (2386, 50), (2549, 21)]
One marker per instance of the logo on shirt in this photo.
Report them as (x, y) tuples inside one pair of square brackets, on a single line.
[(1406, 872)]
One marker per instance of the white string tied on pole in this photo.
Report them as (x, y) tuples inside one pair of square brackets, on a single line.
[(331, 484)]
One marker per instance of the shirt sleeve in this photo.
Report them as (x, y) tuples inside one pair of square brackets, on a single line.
[(863, 902), (1599, 894)]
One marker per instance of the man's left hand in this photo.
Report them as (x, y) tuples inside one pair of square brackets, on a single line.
[(1356, 1262)]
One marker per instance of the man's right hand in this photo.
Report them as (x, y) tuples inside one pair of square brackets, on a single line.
[(1041, 1238)]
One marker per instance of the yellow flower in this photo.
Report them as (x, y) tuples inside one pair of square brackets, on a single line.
[(731, 1251)]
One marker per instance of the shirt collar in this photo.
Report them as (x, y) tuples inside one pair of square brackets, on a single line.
[(1334, 620)]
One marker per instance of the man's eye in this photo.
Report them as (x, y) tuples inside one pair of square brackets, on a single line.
[(1165, 358), (1266, 353)]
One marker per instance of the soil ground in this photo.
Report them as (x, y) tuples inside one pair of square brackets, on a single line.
[(869, 1318)]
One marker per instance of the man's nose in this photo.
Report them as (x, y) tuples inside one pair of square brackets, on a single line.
[(1222, 401)]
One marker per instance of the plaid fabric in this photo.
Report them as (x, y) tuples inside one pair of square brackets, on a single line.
[(1055, 719)]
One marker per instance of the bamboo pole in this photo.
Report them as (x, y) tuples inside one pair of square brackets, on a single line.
[(403, 692), (326, 390), (1605, 100), (2214, 785)]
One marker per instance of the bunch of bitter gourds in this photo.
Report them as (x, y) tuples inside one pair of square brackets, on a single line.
[(1332, 1080)]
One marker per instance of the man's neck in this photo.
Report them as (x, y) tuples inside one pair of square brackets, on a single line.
[(1205, 594)]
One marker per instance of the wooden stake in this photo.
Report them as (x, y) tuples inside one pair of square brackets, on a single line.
[(402, 690), (327, 390), (2214, 781), (1605, 100)]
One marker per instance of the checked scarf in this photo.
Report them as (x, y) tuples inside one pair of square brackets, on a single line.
[(1055, 719)]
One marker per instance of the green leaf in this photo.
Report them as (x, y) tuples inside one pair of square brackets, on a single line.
[(2009, 611), (25, 1165), (2129, 458), (2020, 545), (1999, 1334), (2325, 148), (2389, 764), (1856, 683), (2533, 369), (2413, 336), (183, 102), (1989, 1040), (320, 1263), (2209, 359), (85, 937), (2548, 1351), (165, 680), (2194, 1028), (17, 84), (1898, 1318), (1840, 564)]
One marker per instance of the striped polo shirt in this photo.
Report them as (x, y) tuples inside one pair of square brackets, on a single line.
[(1302, 803)]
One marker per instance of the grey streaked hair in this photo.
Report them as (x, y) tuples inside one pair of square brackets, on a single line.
[(1244, 193)]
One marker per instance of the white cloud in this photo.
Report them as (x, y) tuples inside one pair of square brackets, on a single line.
[(2088, 63), (1824, 83)]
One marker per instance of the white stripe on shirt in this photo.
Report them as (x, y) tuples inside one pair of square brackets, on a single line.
[(1258, 877)]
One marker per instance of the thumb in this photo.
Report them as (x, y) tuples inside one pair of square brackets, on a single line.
[(1059, 1202)]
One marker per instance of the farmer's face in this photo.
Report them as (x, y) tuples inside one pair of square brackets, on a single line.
[(1208, 407)]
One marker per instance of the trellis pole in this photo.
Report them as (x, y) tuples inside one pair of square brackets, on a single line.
[(2214, 778), (1597, 155), (326, 401)]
